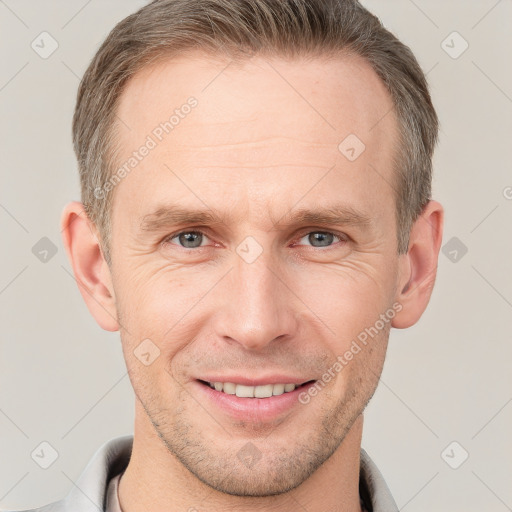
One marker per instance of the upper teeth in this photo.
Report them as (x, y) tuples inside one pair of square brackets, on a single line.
[(252, 391)]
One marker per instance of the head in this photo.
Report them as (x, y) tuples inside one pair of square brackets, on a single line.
[(256, 195)]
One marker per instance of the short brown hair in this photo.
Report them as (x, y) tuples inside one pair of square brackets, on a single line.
[(238, 29)]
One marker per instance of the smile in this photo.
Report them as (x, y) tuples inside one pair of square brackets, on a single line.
[(262, 391)]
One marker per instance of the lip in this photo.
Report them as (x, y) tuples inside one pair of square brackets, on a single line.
[(256, 410), (260, 381)]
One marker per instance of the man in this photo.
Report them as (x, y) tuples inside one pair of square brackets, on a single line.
[(255, 217)]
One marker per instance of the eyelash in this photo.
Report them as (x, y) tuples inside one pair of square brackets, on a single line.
[(342, 237)]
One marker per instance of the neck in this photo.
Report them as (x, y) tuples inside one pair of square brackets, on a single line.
[(156, 480)]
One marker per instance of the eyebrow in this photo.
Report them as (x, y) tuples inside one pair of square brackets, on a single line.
[(343, 215), (166, 216)]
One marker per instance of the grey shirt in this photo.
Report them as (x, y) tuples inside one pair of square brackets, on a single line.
[(96, 488)]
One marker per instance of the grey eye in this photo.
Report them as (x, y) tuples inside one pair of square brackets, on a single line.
[(189, 239), (320, 238)]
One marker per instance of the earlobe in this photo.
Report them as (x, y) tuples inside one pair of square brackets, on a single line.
[(91, 271), (418, 268)]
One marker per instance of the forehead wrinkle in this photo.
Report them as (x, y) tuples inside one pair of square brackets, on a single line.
[(252, 142)]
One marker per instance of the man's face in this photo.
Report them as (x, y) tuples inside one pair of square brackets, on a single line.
[(261, 292)]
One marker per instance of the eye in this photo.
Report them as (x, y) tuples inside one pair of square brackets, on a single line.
[(322, 238), (187, 239), (195, 239)]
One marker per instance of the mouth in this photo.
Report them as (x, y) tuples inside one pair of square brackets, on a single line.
[(261, 404), (260, 391)]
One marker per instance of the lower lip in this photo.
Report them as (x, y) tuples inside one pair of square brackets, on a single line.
[(256, 410)]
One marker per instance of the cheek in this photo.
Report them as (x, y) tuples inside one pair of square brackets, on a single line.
[(348, 296), (359, 363), (152, 299), (162, 306), (170, 306)]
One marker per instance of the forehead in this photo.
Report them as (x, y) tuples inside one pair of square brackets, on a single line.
[(337, 94), (261, 125)]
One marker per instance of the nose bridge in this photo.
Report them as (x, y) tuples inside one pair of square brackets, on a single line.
[(258, 308)]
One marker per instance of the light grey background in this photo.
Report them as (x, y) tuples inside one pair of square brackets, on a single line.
[(63, 379)]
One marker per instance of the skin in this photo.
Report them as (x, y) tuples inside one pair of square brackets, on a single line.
[(261, 144)]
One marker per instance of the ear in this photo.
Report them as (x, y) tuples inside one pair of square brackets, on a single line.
[(418, 268), (91, 271)]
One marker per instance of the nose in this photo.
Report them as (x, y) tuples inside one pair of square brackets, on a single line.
[(259, 307)]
